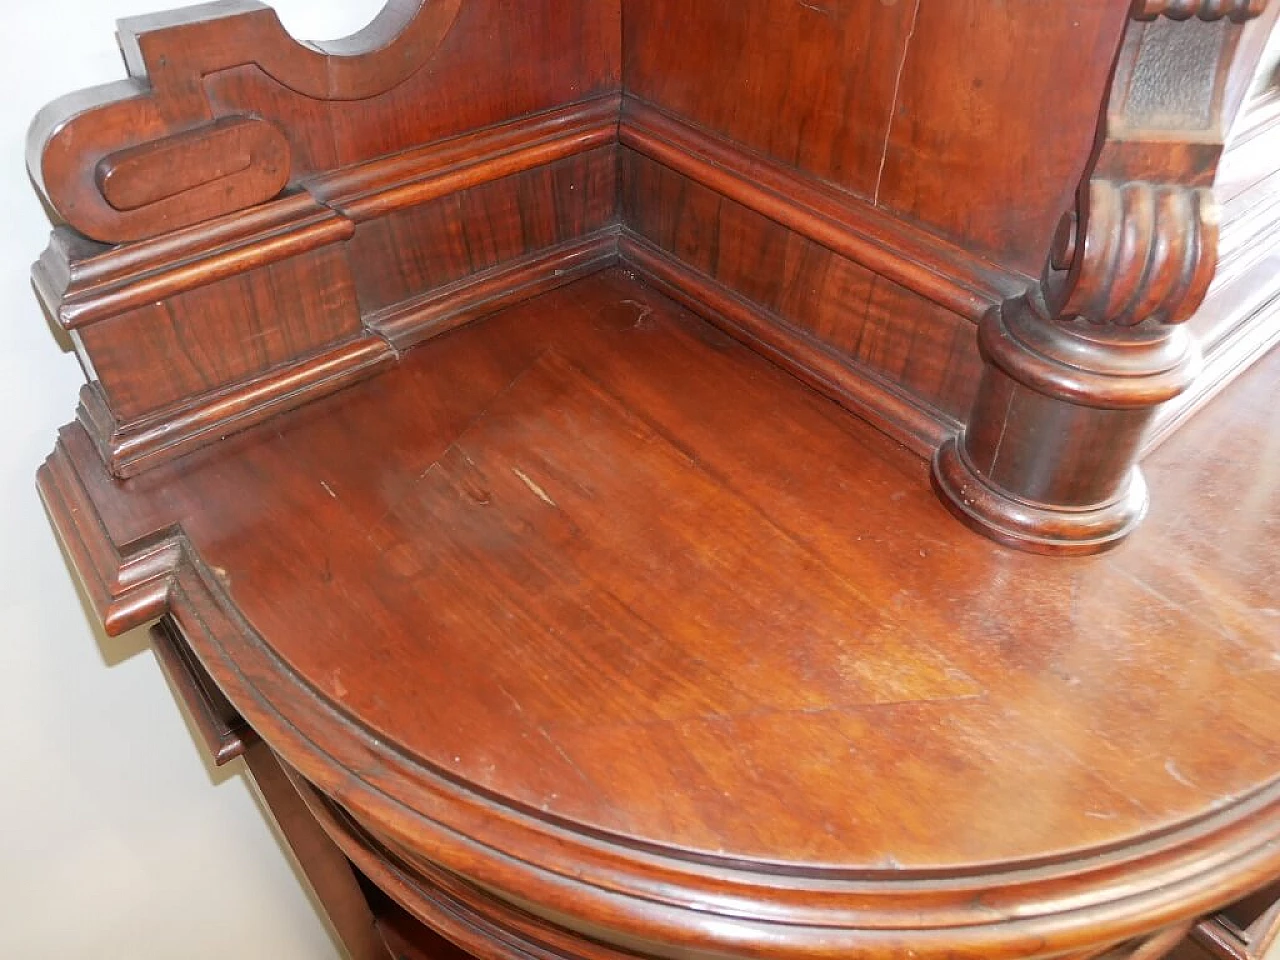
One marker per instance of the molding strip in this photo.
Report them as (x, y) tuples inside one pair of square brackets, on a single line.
[(79, 288), (440, 310), (882, 404), (132, 448), (880, 241), (374, 189), (82, 282)]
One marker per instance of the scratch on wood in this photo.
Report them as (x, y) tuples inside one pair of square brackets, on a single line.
[(893, 109), (514, 702), (564, 756), (816, 8), (537, 490), (1172, 769), (646, 311)]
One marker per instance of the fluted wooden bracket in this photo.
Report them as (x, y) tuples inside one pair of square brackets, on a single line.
[(1076, 369)]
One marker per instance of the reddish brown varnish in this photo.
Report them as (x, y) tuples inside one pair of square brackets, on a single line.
[(519, 416)]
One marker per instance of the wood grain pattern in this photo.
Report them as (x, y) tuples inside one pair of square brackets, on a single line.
[(410, 252), (133, 446), (948, 275), (583, 630), (1075, 373), (880, 326), (518, 516), (985, 146), (219, 334), (439, 310), (878, 401), (809, 84), (915, 107), (334, 107)]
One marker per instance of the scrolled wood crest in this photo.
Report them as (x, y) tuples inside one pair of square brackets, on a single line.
[(158, 141)]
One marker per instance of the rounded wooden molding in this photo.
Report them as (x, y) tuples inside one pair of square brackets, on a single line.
[(630, 895), (1036, 528), (1084, 364)]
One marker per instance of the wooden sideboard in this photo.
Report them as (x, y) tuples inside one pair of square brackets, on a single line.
[(538, 433)]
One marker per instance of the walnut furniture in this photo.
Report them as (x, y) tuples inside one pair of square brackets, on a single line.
[(537, 432)]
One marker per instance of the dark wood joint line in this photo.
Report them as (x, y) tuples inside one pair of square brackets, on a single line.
[(224, 732), (435, 312), (844, 223)]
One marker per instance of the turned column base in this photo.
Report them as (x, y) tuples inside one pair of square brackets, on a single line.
[(1034, 527), (1048, 460)]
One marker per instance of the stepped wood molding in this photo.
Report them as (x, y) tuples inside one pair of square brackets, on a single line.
[(237, 165), (472, 402), (1076, 372), (1238, 10), (539, 193)]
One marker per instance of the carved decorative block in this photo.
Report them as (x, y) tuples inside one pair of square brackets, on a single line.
[(1077, 370)]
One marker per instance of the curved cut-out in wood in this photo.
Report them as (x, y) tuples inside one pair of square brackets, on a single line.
[(382, 55), (98, 140)]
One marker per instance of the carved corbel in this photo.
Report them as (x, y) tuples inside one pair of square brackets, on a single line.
[(1075, 370), (154, 154)]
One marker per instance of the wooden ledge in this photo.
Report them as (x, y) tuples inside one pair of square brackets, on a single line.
[(590, 608)]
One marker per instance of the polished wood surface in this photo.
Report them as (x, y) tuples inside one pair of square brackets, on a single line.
[(598, 581), (522, 418), (854, 234)]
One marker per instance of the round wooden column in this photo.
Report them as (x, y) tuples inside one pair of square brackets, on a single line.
[(1076, 369), (1049, 461)]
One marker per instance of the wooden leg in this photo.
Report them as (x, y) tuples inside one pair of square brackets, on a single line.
[(327, 870)]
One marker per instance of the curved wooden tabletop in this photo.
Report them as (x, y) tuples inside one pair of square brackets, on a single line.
[(590, 605)]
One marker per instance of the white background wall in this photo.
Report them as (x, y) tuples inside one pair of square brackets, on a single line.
[(116, 839)]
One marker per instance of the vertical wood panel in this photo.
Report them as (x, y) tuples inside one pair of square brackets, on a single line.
[(218, 334), (503, 59), (995, 118), (415, 250), (894, 333), (810, 84)]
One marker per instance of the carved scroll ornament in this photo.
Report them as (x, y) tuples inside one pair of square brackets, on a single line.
[(1076, 370), (1147, 255)]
